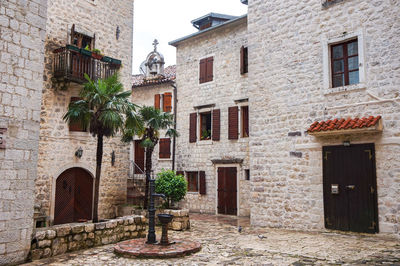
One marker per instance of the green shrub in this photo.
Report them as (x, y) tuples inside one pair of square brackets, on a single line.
[(171, 185)]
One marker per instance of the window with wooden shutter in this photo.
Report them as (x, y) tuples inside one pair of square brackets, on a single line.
[(216, 124), (192, 178), (244, 110), (76, 126), (202, 182), (205, 126), (344, 63), (206, 69), (167, 103), (244, 68), (157, 101), (233, 122), (165, 148), (193, 127)]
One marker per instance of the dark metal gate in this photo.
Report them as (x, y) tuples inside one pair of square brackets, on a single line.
[(227, 190), (350, 195), (74, 196)]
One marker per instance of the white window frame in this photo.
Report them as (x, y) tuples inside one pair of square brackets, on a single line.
[(327, 72)]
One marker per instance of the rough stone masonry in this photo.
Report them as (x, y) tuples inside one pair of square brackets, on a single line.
[(22, 33)]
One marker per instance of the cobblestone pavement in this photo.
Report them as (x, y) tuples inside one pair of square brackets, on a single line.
[(222, 244)]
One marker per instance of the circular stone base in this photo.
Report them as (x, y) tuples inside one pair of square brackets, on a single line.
[(137, 248)]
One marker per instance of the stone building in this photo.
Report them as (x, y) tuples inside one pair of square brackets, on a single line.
[(155, 86), (212, 115), (22, 34), (322, 86), (67, 153)]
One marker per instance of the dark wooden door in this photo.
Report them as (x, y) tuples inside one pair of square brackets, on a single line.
[(227, 190), (74, 195), (139, 158), (353, 207)]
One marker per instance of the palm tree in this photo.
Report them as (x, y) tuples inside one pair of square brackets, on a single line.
[(105, 109), (151, 121)]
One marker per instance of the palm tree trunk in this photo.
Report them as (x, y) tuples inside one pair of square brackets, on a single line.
[(149, 153), (99, 158)]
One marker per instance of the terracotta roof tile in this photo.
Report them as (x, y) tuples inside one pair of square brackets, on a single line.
[(169, 75), (349, 123)]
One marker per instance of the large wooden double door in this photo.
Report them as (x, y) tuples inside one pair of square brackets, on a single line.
[(227, 190), (350, 193), (74, 196)]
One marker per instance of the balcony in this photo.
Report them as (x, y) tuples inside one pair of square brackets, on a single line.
[(70, 63)]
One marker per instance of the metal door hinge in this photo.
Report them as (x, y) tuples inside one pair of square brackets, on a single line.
[(373, 225), (372, 190), (326, 155), (369, 154)]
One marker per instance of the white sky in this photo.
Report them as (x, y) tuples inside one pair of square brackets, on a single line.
[(168, 20)]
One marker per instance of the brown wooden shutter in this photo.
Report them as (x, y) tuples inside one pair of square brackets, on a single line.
[(202, 181), (202, 76), (209, 68), (233, 123), (165, 148), (216, 114), (157, 101), (245, 121), (242, 60), (139, 157), (193, 127), (76, 126), (167, 106)]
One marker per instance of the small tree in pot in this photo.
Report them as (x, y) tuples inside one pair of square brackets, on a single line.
[(173, 186)]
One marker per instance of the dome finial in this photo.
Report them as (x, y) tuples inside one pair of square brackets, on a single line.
[(155, 43)]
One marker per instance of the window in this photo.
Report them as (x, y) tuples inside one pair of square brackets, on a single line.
[(344, 63), (77, 127), (206, 69), (163, 101), (244, 117), (165, 148), (244, 67), (205, 126), (193, 184), (81, 40), (247, 174)]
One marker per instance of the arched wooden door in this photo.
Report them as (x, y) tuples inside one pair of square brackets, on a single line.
[(74, 196)]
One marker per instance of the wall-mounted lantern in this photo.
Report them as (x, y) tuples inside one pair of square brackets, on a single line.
[(79, 152)]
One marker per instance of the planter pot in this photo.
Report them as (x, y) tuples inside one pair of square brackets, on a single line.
[(106, 59), (86, 52), (115, 61), (97, 56), (73, 48)]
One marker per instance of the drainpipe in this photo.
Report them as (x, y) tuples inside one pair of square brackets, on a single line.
[(174, 137)]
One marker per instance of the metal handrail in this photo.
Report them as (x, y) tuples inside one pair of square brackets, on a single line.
[(132, 169)]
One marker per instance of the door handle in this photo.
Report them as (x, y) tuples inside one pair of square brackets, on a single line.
[(351, 187)]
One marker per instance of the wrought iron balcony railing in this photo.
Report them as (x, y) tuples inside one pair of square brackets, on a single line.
[(71, 63)]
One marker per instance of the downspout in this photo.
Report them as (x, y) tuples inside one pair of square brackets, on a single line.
[(174, 137)]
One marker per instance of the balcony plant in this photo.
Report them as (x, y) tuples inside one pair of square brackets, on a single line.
[(96, 54), (86, 51)]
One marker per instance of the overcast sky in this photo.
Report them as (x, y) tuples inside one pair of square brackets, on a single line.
[(168, 20)]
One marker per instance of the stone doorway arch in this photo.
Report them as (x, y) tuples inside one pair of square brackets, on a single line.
[(73, 196)]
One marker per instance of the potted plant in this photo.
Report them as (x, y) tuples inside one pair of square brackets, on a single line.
[(173, 186), (73, 47), (106, 59), (86, 51), (96, 54), (205, 134)]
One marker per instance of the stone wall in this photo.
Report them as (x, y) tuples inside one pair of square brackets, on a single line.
[(227, 86), (57, 145), (288, 44), (22, 34), (60, 239)]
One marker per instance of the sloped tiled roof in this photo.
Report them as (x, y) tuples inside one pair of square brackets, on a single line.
[(169, 76), (344, 124)]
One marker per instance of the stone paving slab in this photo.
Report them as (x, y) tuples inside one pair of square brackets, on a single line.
[(222, 244)]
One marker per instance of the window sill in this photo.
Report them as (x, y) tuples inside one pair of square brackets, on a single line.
[(164, 159), (78, 133), (192, 192), (204, 142), (343, 89)]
